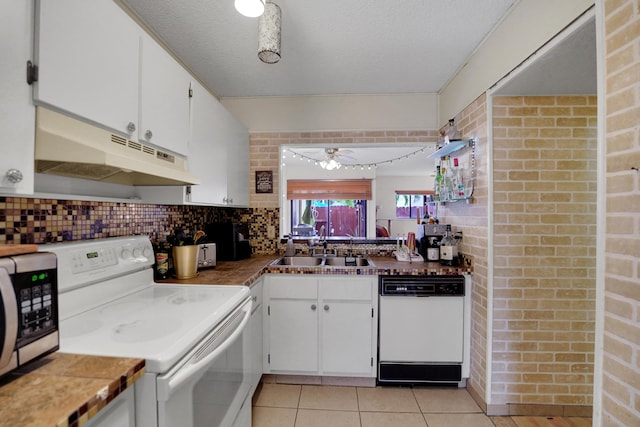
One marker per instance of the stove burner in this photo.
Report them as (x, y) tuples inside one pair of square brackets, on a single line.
[(140, 330), (76, 327), (123, 307)]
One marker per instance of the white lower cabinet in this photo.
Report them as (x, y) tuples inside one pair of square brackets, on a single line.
[(120, 412), (320, 325)]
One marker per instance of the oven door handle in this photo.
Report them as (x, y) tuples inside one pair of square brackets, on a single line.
[(197, 360), (10, 333)]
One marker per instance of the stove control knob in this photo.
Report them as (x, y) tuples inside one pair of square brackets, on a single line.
[(125, 253), (137, 252), (147, 252)]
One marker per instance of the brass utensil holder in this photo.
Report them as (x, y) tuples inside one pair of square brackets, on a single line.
[(185, 261)]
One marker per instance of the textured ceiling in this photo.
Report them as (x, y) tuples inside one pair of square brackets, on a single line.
[(329, 46)]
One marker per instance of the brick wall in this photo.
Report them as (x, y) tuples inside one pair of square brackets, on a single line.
[(621, 364), (544, 269), (472, 220), (264, 152)]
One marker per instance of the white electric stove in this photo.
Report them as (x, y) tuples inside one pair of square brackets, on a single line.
[(189, 335)]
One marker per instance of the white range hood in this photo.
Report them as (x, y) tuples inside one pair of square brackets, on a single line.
[(69, 147)]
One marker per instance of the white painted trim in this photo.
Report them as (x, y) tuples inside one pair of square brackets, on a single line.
[(601, 215), (490, 250)]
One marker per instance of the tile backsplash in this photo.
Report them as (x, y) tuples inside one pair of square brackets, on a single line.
[(34, 220)]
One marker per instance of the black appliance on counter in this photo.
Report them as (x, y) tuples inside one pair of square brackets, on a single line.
[(231, 239)]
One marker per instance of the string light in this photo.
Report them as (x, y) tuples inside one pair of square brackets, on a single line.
[(353, 166)]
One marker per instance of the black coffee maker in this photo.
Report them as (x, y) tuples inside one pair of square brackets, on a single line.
[(231, 239), (429, 246)]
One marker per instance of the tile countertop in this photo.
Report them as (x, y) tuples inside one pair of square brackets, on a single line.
[(247, 271), (62, 390)]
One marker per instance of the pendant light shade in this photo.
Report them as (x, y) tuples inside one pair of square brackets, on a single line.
[(250, 8), (269, 34)]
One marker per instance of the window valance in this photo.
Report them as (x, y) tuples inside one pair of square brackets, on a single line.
[(321, 189)]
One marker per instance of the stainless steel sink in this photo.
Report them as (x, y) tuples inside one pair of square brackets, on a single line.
[(348, 262), (299, 261), (319, 261)]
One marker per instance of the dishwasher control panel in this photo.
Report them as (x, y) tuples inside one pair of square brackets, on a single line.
[(422, 285)]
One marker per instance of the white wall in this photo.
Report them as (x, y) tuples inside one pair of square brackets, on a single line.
[(386, 187), (340, 112)]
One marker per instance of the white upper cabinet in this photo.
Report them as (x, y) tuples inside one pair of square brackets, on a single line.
[(87, 54), (96, 63), (238, 161), (208, 154), (17, 113), (218, 156), (164, 98)]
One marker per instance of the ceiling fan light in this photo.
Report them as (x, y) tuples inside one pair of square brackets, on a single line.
[(250, 8), (269, 34), (330, 165)]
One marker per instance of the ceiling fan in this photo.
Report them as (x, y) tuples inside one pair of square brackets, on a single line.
[(333, 156)]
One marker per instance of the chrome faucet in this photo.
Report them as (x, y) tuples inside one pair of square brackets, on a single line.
[(322, 234)]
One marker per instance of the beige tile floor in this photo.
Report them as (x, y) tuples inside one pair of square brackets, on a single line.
[(284, 405)]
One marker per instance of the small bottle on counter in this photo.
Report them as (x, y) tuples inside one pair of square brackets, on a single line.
[(448, 248), (162, 260)]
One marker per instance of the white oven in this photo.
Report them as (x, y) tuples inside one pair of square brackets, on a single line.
[(197, 363)]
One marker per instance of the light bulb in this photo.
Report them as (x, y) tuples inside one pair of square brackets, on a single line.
[(250, 8)]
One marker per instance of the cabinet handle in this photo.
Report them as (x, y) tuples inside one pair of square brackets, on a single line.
[(148, 134), (131, 127), (326, 307), (313, 307), (14, 176)]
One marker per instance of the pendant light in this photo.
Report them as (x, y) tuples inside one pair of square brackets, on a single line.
[(269, 34), (250, 8)]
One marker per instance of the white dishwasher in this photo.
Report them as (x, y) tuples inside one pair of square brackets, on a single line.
[(423, 330)]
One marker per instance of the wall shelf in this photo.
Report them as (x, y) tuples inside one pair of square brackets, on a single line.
[(441, 154), (452, 147)]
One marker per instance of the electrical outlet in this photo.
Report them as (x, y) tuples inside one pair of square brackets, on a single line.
[(271, 231)]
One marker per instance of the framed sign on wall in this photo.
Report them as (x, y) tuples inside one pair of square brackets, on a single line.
[(264, 181)]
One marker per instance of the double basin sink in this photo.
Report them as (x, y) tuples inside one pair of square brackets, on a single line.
[(322, 261)]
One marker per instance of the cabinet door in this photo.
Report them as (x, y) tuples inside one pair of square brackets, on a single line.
[(17, 113), (238, 161), (293, 335), (164, 99), (87, 54), (207, 152), (347, 335)]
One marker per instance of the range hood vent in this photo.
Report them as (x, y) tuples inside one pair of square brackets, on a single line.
[(72, 148)]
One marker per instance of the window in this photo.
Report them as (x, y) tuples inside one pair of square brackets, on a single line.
[(340, 206), (412, 204), (340, 218)]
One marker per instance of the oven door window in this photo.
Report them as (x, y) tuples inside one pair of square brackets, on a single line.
[(208, 389)]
